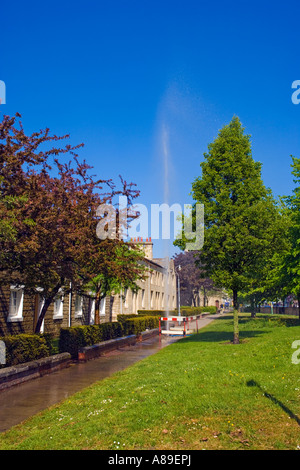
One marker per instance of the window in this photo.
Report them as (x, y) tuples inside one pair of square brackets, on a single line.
[(58, 306), (143, 298), (92, 311), (16, 304), (151, 299), (102, 307), (78, 305), (126, 297)]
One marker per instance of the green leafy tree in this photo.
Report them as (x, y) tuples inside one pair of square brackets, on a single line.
[(287, 270), (239, 214)]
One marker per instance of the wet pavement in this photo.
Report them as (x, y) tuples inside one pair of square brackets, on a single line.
[(23, 401)]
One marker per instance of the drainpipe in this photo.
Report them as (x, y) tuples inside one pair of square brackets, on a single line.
[(70, 305), (149, 291)]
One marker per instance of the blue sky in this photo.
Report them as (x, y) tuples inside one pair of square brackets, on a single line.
[(115, 74)]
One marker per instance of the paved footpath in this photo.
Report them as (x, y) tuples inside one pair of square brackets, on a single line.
[(22, 401)]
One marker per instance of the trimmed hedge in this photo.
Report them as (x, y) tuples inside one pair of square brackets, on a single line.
[(76, 337), (25, 348), (72, 339), (151, 313), (198, 310), (186, 311), (135, 326), (122, 317)]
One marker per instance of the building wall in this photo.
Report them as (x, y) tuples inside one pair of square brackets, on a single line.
[(154, 292), (53, 321), (26, 322), (157, 292)]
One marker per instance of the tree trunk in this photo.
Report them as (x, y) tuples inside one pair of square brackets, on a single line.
[(97, 308), (46, 305), (42, 315), (236, 339), (298, 298), (253, 312)]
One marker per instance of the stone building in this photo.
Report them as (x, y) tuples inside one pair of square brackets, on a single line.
[(157, 292), (210, 298), (19, 312)]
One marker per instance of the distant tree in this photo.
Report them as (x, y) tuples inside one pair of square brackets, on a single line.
[(286, 273), (192, 278), (272, 282), (239, 212)]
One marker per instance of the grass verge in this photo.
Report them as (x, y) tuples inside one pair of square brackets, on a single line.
[(201, 392)]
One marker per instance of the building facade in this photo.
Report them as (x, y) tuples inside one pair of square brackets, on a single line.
[(157, 292), (19, 311)]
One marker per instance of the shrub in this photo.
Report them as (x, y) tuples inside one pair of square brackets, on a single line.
[(190, 311), (25, 348), (111, 330), (210, 309), (50, 341), (72, 339), (126, 316), (159, 313), (135, 326)]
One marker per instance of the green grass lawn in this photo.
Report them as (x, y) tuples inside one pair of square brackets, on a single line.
[(201, 392)]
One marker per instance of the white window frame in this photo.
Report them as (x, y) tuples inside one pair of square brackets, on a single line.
[(143, 298), (92, 311), (126, 293), (58, 313), (16, 313), (78, 311), (102, 307)]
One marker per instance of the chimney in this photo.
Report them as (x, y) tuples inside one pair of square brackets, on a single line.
[(146, 245)]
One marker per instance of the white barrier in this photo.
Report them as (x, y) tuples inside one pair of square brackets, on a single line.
[(183, 325)]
